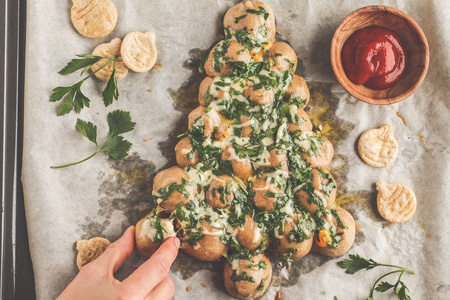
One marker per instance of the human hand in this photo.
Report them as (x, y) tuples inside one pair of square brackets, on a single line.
[(150, 281)]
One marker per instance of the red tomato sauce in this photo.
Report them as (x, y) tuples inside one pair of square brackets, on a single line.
[(375, 57)]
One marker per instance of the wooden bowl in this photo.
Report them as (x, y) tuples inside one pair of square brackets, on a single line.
[(416, 50)]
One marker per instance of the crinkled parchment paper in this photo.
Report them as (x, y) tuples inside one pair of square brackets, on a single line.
[(102, 197)]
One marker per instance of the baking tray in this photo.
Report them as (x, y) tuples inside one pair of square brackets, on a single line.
[(16, 271)]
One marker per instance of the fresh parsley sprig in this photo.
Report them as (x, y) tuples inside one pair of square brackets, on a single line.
[(74, 98), (119, 122), (357, 263)]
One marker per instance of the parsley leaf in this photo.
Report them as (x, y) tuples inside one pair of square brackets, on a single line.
[(237, 19), (261, 285), (111, 91), (87, 129), (241, 277), (115, 146), (119, 122), (74, 99), (357, 263), (261, 11), (76, 64), (401, 292), (384, 286)]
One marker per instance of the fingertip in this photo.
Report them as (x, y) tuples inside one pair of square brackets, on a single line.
[(129, 229), (173, 242), (128, 236), (170, 246), (177, 242)]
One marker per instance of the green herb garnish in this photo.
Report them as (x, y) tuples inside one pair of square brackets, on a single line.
[(261, 285), (242, 277), (261, 11), (74, 98), (119, 122), (357, 263), (237, 19)]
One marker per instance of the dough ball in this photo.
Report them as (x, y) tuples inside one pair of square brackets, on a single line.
[(277, 159), (347, 234), (302, 121), (242, 167), (111, 49), (223, 53), (284, 57), (324, 156), (164, 192), (247, 130), (378, 147), (151, 232), (210, 120), (203, 90), (395, 202), (221, 191), (94, 18), (248, 279), (139, 51), (322, 191), (264, 193), (299, 89), (210, 247), (238, 18), (250, 235), (260, 96), (295, 240), (89, 250), (184, 154)]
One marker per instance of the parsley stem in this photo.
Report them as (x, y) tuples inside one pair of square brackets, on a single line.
[(375, 284), (398, 267), (111, 59), (79, 83), (78, 162), (243, 188), (182, 135)]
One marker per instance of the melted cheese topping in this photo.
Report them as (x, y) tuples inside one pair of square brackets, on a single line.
[(150, 232)]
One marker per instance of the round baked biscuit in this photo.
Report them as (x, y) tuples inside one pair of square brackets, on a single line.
[(94, 18), (139, 51), (111, 49), (90, 250), (378, 147), (395, 202)]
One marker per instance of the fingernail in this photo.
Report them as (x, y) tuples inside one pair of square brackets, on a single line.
[(177, 243)]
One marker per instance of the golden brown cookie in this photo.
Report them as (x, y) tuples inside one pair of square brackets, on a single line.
[(111, 49), (378, 147), (94, 18), (139, 51), (395, 202), (89, 250)]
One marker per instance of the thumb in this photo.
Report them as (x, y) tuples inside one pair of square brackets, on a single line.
[(116, 254)]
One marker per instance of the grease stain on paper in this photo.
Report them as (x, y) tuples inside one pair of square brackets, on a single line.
[(187, 266), (398, 115), (427, 233), (186, 96), (363, 200), (424, 143), (127, 187), (322, 111)]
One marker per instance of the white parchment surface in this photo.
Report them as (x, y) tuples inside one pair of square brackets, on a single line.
[(102, 197)]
